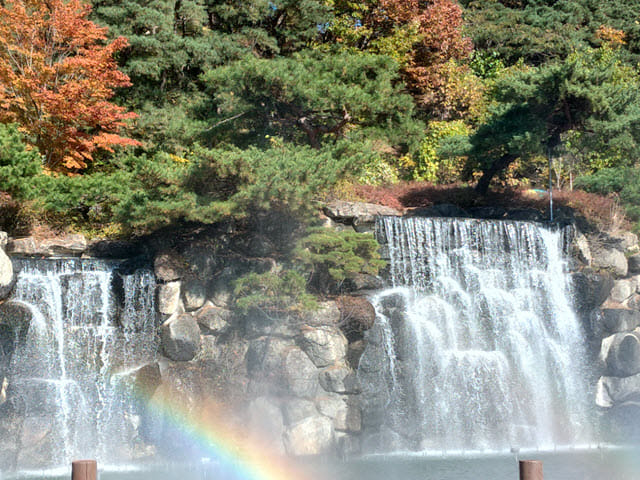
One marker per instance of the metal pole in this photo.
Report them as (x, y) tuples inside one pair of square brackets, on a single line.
[(84, 470), (530, 470)]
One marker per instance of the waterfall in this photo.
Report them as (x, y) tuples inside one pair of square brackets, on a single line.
[(476, 346), (91, 320)]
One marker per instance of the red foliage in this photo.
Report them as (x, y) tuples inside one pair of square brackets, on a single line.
[(56, 77)]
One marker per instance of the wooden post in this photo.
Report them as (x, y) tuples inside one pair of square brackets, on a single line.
[(531, 470), (84, 470)]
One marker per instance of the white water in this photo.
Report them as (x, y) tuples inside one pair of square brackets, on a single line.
[(66, 394), (476, 346)]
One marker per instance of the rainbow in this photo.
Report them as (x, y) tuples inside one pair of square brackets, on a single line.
[(242, 454)]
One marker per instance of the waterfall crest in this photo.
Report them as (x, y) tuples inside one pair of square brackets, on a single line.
[(91, 322), (476, 346)]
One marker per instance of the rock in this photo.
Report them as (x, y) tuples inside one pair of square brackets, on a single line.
[(357, 212), (114, 249), (614, 320), (354, 353), (72, 245), (439, 210), (168, 297), (590, 290), (625, 421), (311, 436), (634, 263), (144, 380), (213, 319), (7, 279), (609, 259), (362, 281), (265, 357), (357, 315), (344, 413), (581, 248), (17, 316), (300, 374), (627, 241), (490, 213), (265, 418), (621, 353), (324, 345), (525, 215), (615, 390), (328, 313), (339, 379), (258, 323), (623, 289), (297, 409), (180, 337), (194, 294), (168, 266)]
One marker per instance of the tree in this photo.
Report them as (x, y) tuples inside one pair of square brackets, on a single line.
[(56, 77), (593, 93)]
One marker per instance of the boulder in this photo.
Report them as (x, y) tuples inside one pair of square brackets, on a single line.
[(354, 353), (265, 357), (614, 390), (324, 345), (339, 379), (615, 320), (634, 263), (311, 436), (581, 248), (213, 319), (72, 245), (362, 281), (194, 294), (621, 353), (327, 313), (525, 215), (7, 279), (114, 249), (300, 374), (180, 337), (168, 266), (590, 290), (627, 241), (439, 210), (357, 315), (609, 259), (144, 380), (297, 409), (623, 289), (357, 212), (490, 213), (4, 239), (169, 297), (344, 412), (259, 323)]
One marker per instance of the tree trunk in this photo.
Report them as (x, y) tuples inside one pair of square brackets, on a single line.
[(497, 166)]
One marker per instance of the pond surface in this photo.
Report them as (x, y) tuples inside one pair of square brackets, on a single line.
[(591, 464)]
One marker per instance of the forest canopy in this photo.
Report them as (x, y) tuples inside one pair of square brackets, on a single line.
[(142, 114)]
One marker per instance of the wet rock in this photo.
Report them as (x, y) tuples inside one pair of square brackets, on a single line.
[(634, 263), (614, 320), (616, 390), (180, 337), (354, 353), (114, 249), (339, 379), (591, 289), (324, 345), (525, 215), (439, 210), (311, 436), (621, 354), (168, 297), (361, 281), (7, 279), (582, 249), (342, 411), (144, 380), (265, 357), (213, 319)]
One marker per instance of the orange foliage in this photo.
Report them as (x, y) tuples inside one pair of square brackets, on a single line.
[(57, 74), (435, 61)]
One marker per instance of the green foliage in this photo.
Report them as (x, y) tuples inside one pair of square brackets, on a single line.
[(18, 164), (624, 182), (273, 293), (333, 256), (432, 167), (312, 98)]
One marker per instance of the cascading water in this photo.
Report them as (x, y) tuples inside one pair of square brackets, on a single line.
[(476, 346), (91, 322)]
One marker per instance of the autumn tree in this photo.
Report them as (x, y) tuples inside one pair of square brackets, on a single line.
[(57, 75)]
